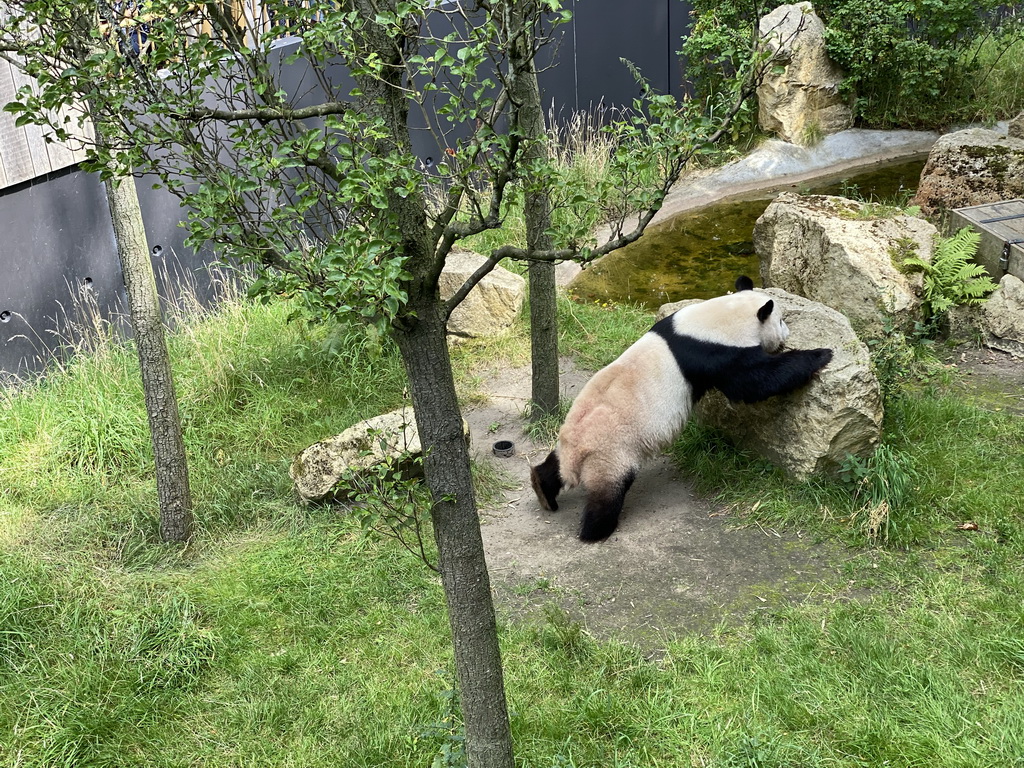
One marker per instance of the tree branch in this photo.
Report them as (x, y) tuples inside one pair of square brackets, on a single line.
[(482, 271), (265, 114), (746, 90)]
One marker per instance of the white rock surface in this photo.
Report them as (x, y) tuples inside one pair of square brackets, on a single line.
[(971, 167), (802, 102), (390, 437), (1002, 317)]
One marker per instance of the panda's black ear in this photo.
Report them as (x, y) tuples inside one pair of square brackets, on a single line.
[(766, 311), (744, 283)]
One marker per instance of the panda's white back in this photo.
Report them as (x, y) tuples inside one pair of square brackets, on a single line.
[(641, 400)]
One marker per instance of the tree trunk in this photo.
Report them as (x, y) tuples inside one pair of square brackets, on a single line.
[(543, 340), (529, 120), (420, 333), (467, 587), (172, 485)]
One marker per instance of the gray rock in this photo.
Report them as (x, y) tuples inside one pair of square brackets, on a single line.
[(493, 304), (1002, 317), (1015, 128), (670, 309), (971, 167), (391, 437), (802, 103), (828, 249), (812, 430)]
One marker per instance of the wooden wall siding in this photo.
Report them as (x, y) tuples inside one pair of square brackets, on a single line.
[(24, 152)]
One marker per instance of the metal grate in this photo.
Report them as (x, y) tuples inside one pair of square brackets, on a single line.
[(1001, 226)]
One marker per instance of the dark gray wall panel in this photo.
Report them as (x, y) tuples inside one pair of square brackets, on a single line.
[(56, 240)]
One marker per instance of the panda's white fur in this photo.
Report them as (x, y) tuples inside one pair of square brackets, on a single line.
[(729, 320), (637, 405)]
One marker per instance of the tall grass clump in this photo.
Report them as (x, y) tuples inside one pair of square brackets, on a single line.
[(254, 387), (596, 333), (999, 92)]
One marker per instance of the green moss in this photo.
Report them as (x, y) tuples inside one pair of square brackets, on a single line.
[(904, 248)]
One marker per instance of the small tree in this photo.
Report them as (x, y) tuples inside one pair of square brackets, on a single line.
[(317, 185), (172, 483), (529, 115), (173, 489)]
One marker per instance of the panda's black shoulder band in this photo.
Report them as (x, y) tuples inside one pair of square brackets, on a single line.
[(704, 364)]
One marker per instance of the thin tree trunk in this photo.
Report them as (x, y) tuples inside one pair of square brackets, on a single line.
[(172, 484), (529, 118), (467, 587), (422, 340), (543, 339)]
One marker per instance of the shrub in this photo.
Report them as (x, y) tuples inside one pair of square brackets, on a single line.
[(911, 62)]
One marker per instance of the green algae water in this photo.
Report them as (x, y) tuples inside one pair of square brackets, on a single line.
[(698, 255)]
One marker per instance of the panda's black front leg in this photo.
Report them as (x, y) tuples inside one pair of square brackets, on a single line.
[(603, 507), (760, 375), (546, 479)]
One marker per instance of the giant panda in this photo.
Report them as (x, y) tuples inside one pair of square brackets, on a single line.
[(636, 406)]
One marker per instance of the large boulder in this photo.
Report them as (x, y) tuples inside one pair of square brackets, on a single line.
[(831, 250), (391, 437), (814, 429), (493, 304), (971, 167), (800, 103), (1002, 317)]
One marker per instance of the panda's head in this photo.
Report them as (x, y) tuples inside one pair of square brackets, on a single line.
[(746, 318), (773, 331)]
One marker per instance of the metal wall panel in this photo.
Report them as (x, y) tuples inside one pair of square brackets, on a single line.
[(57, 242)]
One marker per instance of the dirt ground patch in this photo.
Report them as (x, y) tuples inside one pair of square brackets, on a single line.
[(992, 377), (677, 563)]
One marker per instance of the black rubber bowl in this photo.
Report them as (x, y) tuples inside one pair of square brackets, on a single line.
[(504, 448)]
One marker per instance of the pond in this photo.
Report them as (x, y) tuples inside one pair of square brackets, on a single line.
[(699, 254)]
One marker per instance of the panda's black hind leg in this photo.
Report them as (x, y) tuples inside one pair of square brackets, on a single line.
[(602, 509), (547, 482)]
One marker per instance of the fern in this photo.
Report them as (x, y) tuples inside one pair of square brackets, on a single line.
[(951, 278)]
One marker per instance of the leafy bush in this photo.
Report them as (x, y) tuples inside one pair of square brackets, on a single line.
[(911, 62), (718, 47), (951, 278), (898, 357)]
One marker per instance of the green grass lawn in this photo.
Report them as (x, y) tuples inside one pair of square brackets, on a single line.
[(286, 636)]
